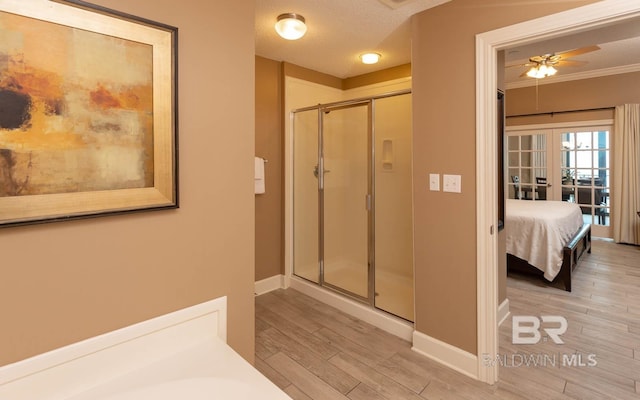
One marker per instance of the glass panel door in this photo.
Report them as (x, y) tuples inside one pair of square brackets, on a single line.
[(585, 174), (393, 206), (305, 196), (527, 166), (346, 201), (579, 161)]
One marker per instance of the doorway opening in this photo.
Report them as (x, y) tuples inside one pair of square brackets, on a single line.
[(487, 45)]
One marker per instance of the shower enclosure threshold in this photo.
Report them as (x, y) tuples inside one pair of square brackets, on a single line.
[(380, 319)]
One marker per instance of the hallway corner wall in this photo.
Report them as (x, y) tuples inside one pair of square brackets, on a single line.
[(269, 258)]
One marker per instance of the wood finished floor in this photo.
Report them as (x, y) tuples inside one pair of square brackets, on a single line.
[(313, 351)]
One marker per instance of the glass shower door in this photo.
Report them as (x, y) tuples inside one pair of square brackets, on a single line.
[(346, 201), (352, 200), (393, 206)]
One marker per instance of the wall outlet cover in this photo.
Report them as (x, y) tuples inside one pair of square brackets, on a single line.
[(434, 182), (452, 183)]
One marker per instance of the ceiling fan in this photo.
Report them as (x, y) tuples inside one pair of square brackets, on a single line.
[(545, 65)]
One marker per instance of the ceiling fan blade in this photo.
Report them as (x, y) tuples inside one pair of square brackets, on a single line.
[(538, 59), (570, 63), (576, 52), (520, 65)]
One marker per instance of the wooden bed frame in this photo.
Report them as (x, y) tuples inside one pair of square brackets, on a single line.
[(571, 253)]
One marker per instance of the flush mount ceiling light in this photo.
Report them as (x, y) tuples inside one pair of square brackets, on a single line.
[(291, 26), (370, 58)]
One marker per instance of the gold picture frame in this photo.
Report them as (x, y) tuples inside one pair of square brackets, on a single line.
[(88, 112)]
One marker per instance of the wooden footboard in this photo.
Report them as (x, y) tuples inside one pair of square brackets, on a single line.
[(571, 253)]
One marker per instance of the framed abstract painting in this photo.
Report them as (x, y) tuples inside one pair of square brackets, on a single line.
[(88, 112)]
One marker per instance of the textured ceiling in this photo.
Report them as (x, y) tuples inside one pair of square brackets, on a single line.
[(340, 30)]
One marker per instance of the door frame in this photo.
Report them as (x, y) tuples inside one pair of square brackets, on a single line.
[(487, 46)]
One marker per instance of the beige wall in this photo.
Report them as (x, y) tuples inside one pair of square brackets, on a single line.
[(443, 64), (389, 74), (602, 92), (64, 282), (295, 71), (269, 145)]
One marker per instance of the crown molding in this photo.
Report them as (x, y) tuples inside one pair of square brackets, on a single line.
[(576, 76)]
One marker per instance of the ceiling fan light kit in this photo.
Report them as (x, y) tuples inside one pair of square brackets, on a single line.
[(291, 26), (541, 71)]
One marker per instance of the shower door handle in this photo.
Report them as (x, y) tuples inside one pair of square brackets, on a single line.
[(368, 200), (316, 171)]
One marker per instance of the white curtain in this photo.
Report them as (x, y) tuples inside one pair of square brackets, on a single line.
[(626, 175)]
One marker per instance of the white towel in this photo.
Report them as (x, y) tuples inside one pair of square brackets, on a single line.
[(259, 176)]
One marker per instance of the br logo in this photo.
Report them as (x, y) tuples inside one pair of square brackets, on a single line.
[(526, 328)]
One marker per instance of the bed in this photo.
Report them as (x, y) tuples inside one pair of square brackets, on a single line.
[(546, 238)]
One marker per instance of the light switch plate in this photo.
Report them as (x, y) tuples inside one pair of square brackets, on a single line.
[(452, 183), (434, 182)]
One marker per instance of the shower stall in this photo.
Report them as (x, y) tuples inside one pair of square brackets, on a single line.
[(352, 199)]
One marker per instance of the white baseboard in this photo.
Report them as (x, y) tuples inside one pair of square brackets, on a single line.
[(446, 354), (503, 311), (269, 285), (380, 319)]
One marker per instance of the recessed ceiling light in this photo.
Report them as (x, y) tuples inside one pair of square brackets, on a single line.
[(370, 58), (291, 26)]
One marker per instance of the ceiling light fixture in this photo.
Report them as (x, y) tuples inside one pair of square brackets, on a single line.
[(370, 58), (291, 26), (541, 71)]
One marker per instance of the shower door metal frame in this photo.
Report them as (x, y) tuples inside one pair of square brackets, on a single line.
[(324, 110), (370, 198)]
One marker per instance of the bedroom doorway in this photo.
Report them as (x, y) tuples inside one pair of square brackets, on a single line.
[(487, 46), (569, 163)]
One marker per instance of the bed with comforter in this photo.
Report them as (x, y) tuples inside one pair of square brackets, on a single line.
[(547, 236)]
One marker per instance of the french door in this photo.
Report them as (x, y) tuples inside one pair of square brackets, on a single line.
[(570, 163)]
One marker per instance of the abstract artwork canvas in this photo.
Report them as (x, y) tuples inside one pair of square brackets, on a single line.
[(87, 116)]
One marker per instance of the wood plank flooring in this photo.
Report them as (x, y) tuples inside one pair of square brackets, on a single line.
[(313, 351)]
